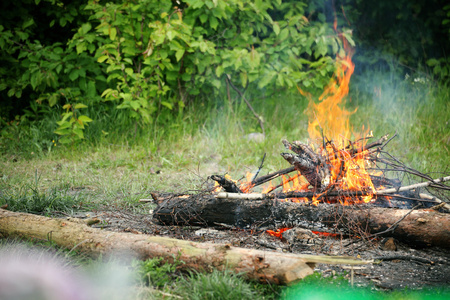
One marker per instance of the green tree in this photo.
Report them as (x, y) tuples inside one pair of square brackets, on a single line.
[(143, 57)]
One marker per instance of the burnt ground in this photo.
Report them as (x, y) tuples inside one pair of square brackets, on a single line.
[(402, 266)]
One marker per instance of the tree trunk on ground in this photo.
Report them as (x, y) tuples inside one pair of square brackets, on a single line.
[(424, 227), (265, 266)]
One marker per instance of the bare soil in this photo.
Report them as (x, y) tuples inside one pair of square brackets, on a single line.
[(396, 266)]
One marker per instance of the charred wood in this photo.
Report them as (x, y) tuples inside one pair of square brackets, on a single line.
[(418, 228), (228, 185), (263, 179), (383, 181), (310, 164), (265, 266)]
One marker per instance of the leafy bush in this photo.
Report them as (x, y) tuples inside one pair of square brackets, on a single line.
[(144, 57)]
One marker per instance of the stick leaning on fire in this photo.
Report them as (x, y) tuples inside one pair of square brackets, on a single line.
[(316, 169)]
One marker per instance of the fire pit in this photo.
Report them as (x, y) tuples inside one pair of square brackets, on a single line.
[(343, 194), (339, 182)]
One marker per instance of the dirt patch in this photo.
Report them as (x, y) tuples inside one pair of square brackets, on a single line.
[(396, 266)]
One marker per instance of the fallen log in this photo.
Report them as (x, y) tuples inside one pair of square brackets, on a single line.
[(265, 266), (420, 227)]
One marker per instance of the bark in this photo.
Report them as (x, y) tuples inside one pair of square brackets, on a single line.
[(418, 227), (227, 185), (265, 266), (310, 164), (263, 179)]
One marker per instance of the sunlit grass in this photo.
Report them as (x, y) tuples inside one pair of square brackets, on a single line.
[(180, 153)]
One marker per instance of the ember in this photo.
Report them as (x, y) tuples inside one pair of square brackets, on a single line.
[(332, 168), (278, 233), (332, 165), (335, 170)]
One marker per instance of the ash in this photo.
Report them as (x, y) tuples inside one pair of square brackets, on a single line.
[(396, 265)]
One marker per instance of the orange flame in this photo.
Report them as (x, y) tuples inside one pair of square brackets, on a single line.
[(328, 114), (329, 118), (246, 186)]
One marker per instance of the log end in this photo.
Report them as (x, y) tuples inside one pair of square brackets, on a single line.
[(298, 272)]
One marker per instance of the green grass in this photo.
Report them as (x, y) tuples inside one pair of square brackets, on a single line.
[(419, 111), (210, 138), (28, 197), (155, 279), (178, 151)]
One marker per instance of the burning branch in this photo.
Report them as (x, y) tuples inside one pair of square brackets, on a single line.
[(227, 184), (412, 186), (417, 227), (262, 196)]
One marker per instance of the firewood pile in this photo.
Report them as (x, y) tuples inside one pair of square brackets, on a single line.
[(353, 190), (349, 175)]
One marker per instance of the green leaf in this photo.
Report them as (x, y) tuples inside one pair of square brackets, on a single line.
[(135, 105), (129, 71), (112, 33), (81, 47), (203, 18), (86, 27), (78, 132), (63, 131), (243, 77), (102, 58), (284, 34), (349, 38), (170, 34), (266, 80), (219, 71), (35, 80), (62, 22), (432, 62), (167, 104), (213, 22), (66, 139), (52, 100), (79, 105), (27, 23), (276, 28), (73, 74), (179, 54), (85, 119)]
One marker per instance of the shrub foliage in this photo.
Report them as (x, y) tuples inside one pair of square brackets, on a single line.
[(143, 56)]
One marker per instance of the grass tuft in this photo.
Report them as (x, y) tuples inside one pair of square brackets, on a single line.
[(29, 198), (215, 286)]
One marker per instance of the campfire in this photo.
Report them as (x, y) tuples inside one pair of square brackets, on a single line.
[(331, 167), (332, 177), (339, 188)]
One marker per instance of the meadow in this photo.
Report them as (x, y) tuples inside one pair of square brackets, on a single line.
[(120, 162)]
